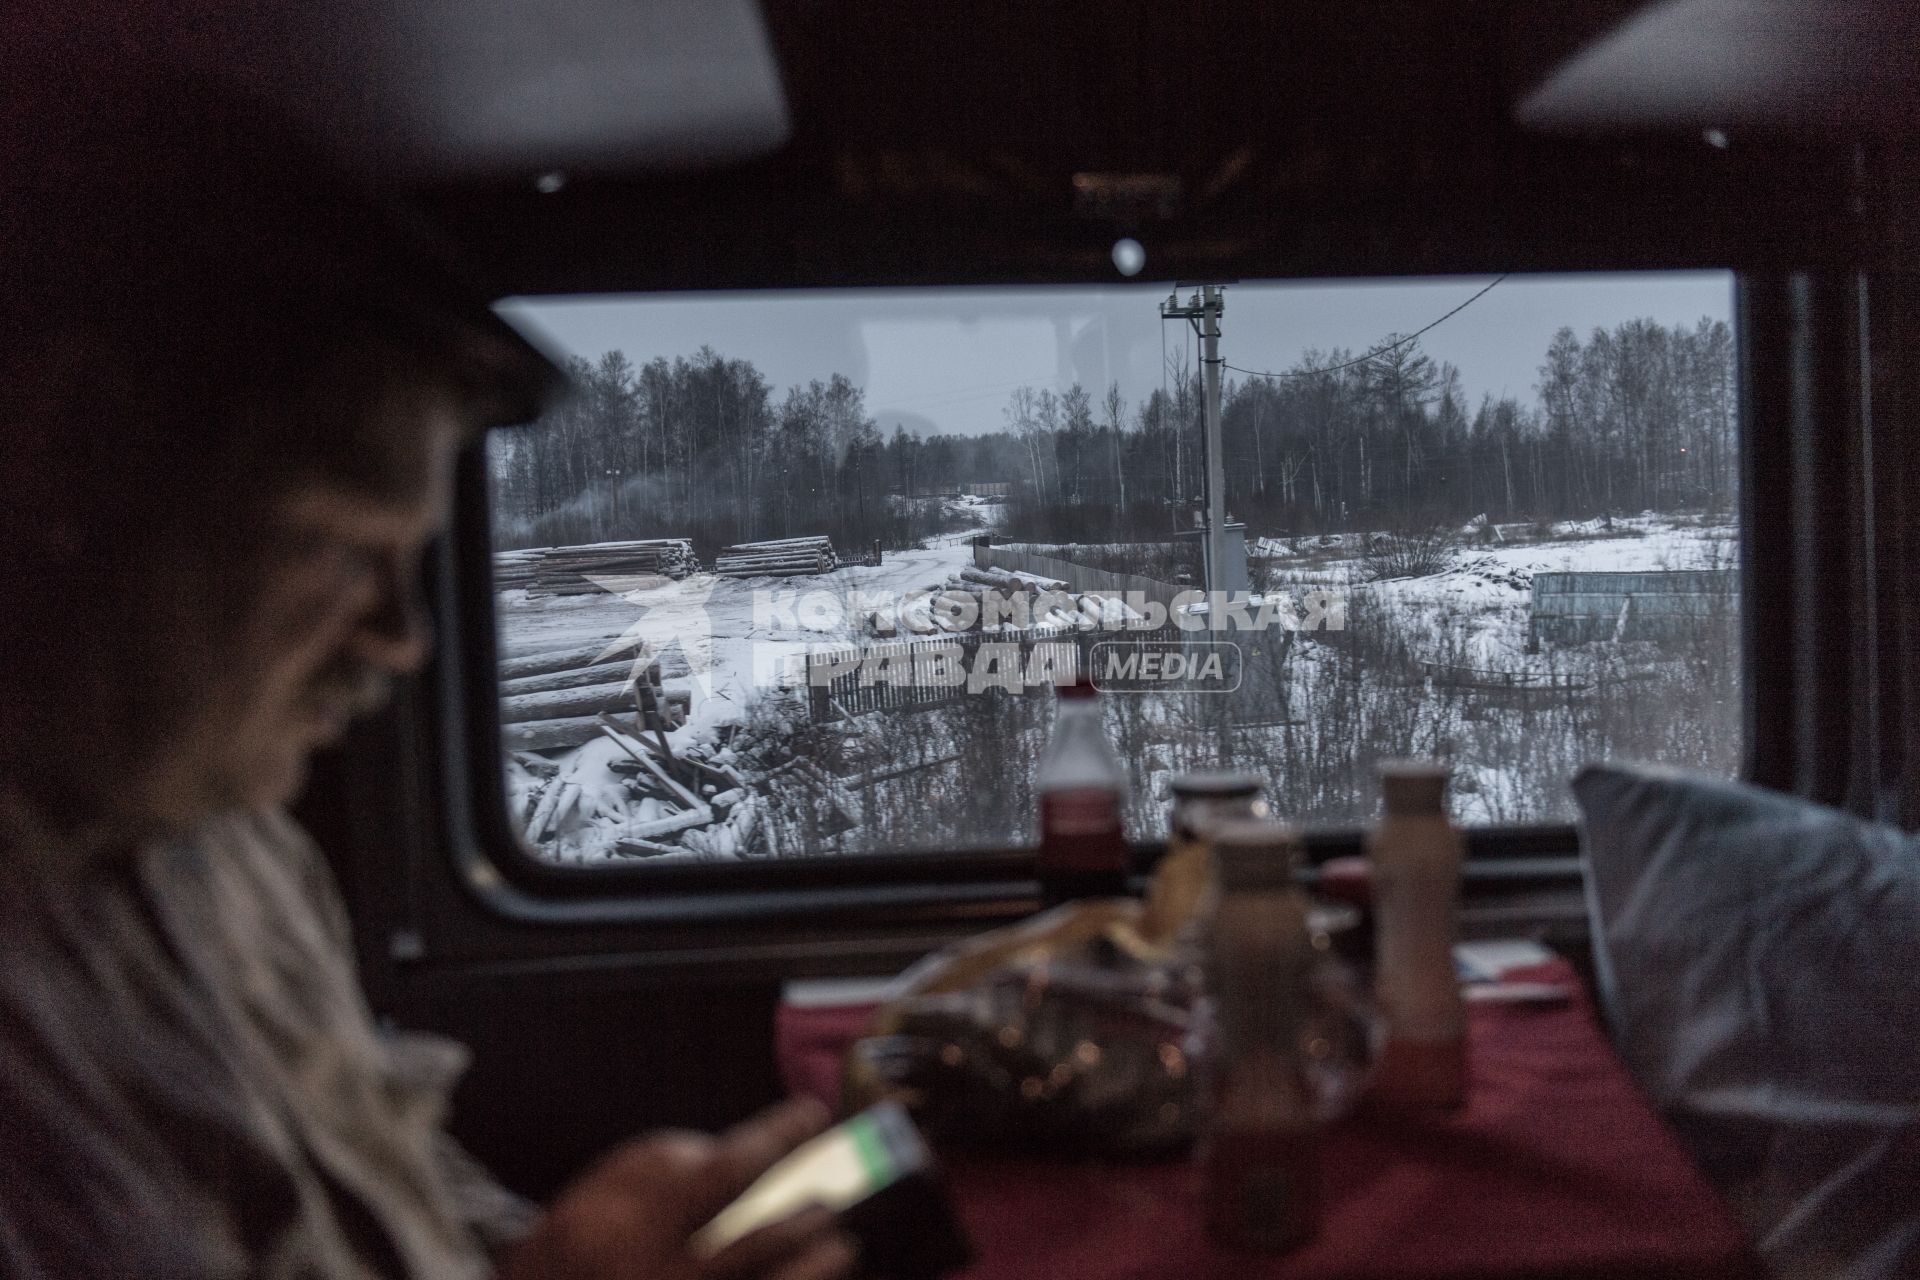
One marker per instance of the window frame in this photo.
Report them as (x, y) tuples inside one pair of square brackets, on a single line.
[(511, 882)]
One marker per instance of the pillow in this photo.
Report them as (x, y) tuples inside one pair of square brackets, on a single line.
[(1759, 960)]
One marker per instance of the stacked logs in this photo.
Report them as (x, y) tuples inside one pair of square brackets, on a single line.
[(1005, 582), (513, 570), (964, 596), (564, 571), (553, 700), (780, 558), (1066, 607)]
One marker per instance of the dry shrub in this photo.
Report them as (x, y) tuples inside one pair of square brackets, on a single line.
[(1414, 553)]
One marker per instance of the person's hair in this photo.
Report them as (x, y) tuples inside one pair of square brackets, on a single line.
[(198, 312)]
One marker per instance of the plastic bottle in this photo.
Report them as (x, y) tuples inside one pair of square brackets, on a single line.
[(1260, 1153), (1185, 886), (1082, 788), (1416, 854)]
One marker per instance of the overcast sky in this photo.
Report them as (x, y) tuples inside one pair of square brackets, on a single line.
[(945, 360)]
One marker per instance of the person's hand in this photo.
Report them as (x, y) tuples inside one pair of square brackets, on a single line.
[(631, 1216)]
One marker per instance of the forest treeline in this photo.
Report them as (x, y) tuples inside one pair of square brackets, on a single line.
[(1637, 417)]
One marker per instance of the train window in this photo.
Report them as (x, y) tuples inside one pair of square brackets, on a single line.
[(794, 575)]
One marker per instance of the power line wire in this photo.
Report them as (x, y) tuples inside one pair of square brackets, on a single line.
[(1377, 351)]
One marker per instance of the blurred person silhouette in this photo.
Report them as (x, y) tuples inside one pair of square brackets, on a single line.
[(234, 386)]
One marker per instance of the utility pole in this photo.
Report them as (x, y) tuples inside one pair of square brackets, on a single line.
[(1203, 311)]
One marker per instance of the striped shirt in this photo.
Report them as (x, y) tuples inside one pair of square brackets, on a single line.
[(191, 1084)]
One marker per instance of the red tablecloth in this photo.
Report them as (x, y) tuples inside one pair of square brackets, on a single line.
[(1556, 1167)]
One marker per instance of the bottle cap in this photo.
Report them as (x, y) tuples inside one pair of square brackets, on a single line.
[(1213, 784), (1414, 787), (1255, 853), (1348, 880)]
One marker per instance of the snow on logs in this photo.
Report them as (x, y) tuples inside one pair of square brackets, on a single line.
[(583, 700), (567, 732), (550, 701), (1010, 583), (620, 671), (513, 570), (569, 571), (782, 557), (961, 604), (560, 661)]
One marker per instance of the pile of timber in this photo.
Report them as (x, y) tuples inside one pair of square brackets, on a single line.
[(514, 569), (964, 597), (783, 557), (568, 571), (553, 700), (1005, 582)]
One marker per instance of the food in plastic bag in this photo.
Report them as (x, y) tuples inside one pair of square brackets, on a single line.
[(1080, 1031), (1056, 1057)]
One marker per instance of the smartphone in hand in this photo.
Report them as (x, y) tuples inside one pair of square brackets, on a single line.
[(876, 1172)]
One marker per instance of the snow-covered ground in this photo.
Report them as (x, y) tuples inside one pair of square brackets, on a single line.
[(1512, 758), (1482, 603), (742, 638)]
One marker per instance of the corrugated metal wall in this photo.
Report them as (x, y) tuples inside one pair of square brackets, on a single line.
[(1575, 608)]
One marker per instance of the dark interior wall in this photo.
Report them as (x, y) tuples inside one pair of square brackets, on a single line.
[(559, 1075)]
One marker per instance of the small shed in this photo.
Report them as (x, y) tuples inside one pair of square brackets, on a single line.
[(1576, 608)]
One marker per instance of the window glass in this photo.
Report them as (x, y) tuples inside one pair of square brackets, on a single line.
[(794, 575)]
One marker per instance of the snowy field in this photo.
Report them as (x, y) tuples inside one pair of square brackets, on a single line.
[(1355, 700), (1479, 607), (1421, 672)]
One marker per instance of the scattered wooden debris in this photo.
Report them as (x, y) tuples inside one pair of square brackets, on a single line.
[(634, 847), (781, 557), (653, 712), (535, 765), (653, 800), (695, 812), (554, 802)]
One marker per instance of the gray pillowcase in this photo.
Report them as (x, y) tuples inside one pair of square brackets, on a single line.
[(1759, 959)]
